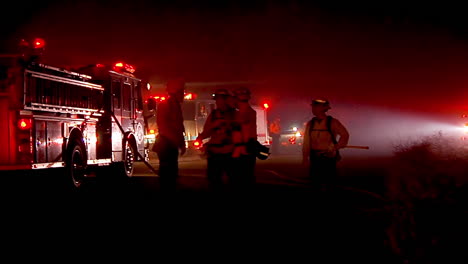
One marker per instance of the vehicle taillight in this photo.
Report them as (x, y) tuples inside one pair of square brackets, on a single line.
[(292, 140), (24, 124), (197, 144), (24, 141)]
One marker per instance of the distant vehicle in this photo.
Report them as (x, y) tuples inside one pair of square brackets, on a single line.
[(291, 139), (263, 135), (73, 119)]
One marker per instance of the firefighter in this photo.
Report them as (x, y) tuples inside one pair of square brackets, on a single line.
[(275, 132), (320, 147), (245, 139), (170, 137), (219, 148)]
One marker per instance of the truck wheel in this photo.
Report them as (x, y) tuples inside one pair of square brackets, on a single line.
[(129, 159), (76, 166)]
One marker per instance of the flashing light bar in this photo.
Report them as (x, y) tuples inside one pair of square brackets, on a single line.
[(120, 66)]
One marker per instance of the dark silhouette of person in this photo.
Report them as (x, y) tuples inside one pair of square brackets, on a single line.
[(320, 148), (170, 138)]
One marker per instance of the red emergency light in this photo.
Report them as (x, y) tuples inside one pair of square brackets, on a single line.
[(38, 43), (158, 98), (120, 66), (266, 105), (197, 144), (190, 96), (24, 124)]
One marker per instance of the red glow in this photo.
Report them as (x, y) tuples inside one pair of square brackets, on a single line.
[(129, 68), (24, 124), (125, 67), (266, 105), (197, 143), (39, 43), (158, 98), (23, 43), (190, 96)]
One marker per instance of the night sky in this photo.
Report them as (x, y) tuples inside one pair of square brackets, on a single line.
[(398, 57)]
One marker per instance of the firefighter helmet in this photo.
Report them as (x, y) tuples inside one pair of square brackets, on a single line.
[(320, 101)]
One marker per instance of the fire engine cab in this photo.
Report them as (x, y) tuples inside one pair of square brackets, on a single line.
[(73, 119)]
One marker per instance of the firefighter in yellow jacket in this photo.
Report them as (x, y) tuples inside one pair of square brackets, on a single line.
[(321, 147)]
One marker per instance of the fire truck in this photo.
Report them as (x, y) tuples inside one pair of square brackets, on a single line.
[(77, 120)]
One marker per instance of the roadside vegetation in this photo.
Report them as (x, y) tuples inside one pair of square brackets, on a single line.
[(427, 193)]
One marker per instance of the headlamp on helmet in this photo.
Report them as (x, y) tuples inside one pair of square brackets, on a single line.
[(221, 93)]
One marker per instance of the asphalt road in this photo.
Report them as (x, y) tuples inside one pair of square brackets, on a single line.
[(279, 180), (282, 213)]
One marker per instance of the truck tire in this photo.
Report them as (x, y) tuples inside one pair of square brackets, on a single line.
[(76, 166), (125, 168)]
